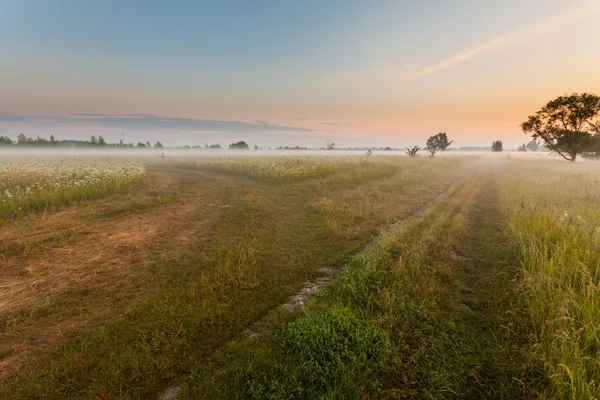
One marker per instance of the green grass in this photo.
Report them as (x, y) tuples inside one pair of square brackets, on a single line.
[(395, 323), (269, 240), (474, 282)]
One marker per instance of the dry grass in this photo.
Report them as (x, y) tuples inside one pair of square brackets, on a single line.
[(552, 209), (352, 203), (399, 285), (140, 287), (45, 257)]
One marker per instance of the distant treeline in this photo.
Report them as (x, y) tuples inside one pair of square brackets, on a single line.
[(94, 141), (291, 148), (99, 141)]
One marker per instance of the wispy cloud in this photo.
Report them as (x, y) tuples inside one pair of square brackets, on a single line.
[(333, 123), (91, 115), (149, 122), (512, 38)]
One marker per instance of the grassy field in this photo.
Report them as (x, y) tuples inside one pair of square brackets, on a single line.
[(32, 185), (311, 277), (552, 213)]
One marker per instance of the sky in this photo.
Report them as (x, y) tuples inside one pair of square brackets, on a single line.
[(291, 73)]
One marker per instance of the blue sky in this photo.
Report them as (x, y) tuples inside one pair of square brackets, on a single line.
[(291, 73)]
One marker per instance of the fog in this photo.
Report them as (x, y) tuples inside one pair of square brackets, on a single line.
[(6, 153)]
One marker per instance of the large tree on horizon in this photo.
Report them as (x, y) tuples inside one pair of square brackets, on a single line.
[(438, 142), (568, 125)]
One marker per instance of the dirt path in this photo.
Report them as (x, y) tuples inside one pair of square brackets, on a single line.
[(477, 300)]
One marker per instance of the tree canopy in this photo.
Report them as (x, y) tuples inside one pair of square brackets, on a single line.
[(438, 142), (568, 125), (239, 145), (497, 145)]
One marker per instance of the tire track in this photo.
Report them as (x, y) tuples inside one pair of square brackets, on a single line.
[(298, 300)]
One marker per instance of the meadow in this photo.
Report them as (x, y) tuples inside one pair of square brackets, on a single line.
[(300, 277), (32, 185), (552, 213)]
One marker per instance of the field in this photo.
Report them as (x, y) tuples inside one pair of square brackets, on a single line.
[(31, 185), (300, 277)]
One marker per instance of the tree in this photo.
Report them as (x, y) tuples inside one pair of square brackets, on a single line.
[(158, 145), (413, 152), (438, 142), (52, 140), (101, 141), (534, 145), (568, 125), (93, 140), (497, 145), (39, 141), (239, 145), (5, 140), (148, 145), (22, 139), (141, 145), (329, 145), (522, 147)]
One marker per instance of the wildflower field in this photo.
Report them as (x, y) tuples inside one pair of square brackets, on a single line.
[(301, 277), (32, 184)]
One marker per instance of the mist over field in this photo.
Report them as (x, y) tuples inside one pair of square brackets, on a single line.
[(151, 153)]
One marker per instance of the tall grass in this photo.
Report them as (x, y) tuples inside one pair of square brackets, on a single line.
[(273, 169), (553, 218), (349, 190), (335, 170), (367, 334), (32, 185)]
